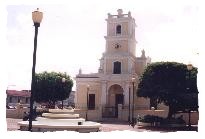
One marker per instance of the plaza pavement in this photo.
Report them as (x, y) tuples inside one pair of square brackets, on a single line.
[(12, 124), (107, 127)]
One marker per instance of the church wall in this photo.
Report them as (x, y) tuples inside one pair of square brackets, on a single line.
[(142, 102), (130, 67), (139, 67), (111, 29), (124, 65), (93, 115), (109, 66), (95, 88), (111, 46), (125, 28), (111, 95), (81, 95), (132, 47), (110, 83)]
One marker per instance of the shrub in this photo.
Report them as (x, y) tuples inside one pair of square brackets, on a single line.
[(162, 121), (172, 121), (150, 119)]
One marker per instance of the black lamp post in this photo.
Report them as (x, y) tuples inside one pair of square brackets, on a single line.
[(129, 108), (37, 18), (133, 102), (63, 81), (86, 116), (189, 67)]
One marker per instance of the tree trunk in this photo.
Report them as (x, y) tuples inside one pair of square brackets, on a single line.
[(171, 112), (52, 104)]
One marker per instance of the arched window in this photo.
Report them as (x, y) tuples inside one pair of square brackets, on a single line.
[(118, 29), (117, 67)]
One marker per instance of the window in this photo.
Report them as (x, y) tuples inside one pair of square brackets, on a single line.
[(27, 100), (118, 29), (91, 102), (117, 46), (119, 99), (10, 99), (19, 100), (117, 68)]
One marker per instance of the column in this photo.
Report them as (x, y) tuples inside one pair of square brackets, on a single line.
[(104, 93), (126, 93), (76, 94), (120, 113)]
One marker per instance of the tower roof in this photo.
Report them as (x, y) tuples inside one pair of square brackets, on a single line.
[(120, 11), (119, 14)]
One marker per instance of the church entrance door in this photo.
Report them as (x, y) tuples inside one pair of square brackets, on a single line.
[(118, 100), (115, 97)]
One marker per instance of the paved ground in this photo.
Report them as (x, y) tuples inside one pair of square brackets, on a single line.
[(108, 126), (118, 126), (12, 124), (121, 126)]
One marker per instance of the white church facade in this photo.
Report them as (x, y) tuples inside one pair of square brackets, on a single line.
[(109, 92)]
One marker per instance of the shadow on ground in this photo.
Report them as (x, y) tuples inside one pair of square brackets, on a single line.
[(169, 129)]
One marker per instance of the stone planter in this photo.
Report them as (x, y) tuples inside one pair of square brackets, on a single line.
[(58, 111), (61, 116)]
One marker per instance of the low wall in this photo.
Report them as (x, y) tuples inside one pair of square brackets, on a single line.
[(124, 113), (18, 113), (194, 117), (92, 115), (96, 115)]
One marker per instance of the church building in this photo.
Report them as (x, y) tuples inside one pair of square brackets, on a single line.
[(111, 92)]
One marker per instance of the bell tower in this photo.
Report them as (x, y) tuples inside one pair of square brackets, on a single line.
[(120, 49), (118, 75)]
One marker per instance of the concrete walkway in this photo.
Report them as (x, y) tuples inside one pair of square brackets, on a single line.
[(12, 124), (109, 126)]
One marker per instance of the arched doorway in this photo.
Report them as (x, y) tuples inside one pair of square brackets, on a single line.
[(115, 97)]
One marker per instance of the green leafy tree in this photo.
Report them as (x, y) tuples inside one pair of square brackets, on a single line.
[(52, 87), (172, 84)]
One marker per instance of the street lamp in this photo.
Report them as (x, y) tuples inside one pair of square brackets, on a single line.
[(37, 18), (88, 87), (129, 107), (152, 108), (63, 81), (133, 102), (189, 68)]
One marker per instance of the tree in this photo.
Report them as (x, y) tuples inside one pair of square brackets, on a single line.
[(49, 87), (169, 82)]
